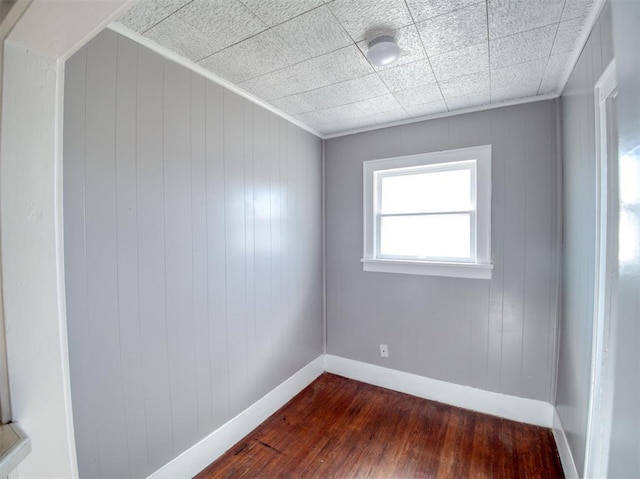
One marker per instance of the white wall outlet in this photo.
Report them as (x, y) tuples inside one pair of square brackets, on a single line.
[(384, 351)]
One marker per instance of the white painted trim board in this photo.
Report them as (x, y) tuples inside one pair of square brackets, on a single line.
[(564, 451), (528, 411), (578, 46), (524, 410), (194, 67), (165, 52), (200, 455)]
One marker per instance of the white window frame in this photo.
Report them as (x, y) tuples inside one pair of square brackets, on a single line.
[(480, 265)]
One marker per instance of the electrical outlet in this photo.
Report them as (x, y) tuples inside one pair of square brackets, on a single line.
[(384, 351)]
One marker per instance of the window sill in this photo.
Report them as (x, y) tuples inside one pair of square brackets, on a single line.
[(14, 447), (454, 270)]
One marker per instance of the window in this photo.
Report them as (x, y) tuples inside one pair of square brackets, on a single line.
[(429, 214)]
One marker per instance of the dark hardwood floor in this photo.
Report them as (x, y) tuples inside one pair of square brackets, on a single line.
[(340, 428)]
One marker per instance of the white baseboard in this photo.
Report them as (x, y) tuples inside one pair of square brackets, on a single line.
[(199, 456), (566, 458), (529, 411)]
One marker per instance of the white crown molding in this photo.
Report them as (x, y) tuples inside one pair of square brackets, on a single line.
[(529, 411), (589, 23), (199, 456), (491, 106), (165, 52), (564, 451), (194, 67)]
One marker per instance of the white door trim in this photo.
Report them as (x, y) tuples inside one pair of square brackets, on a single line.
[(599, 413)]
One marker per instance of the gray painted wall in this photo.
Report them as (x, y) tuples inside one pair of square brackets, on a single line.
[(624, 460), (579, 181), (192, 255), (496, 334)]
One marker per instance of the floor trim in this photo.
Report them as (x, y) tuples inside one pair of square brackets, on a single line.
[(199, 456), (529, 411), (564, 451)]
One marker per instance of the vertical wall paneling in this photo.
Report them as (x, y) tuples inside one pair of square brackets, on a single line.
[(216, 253), (262, 244), (76, 264), (100, 231), (490, 334), (200, 252), (540, 196), (515, 217), (151, 255), (579, 227), (234, 194), (127, 256), (250, 394), (178, 255), (188, 295), (496, 285), (276, 238)]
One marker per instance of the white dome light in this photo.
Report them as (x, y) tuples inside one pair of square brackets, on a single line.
[(383, 50)]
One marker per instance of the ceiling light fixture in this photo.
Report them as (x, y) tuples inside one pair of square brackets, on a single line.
[(383, 50)]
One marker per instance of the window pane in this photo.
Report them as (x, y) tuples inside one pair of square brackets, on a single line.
[(426, 192), (432, 236)]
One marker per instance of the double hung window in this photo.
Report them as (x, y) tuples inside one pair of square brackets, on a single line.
[(429, 214)]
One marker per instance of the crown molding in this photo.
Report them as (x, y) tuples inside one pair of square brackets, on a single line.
[(194, 67)]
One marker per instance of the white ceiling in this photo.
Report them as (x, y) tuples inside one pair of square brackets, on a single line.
[(307, 57)]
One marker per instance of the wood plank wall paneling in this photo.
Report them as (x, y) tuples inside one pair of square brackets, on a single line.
[(192, 255), (579, 227), (496, 334)]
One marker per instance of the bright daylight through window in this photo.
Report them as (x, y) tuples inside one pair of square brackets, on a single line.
[(429, 214)]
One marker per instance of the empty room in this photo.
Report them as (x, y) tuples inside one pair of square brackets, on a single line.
[(320, 239)]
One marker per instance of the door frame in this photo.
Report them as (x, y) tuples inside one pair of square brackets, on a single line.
[(601, 380)]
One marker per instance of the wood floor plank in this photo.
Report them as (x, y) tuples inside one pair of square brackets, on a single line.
[(340, 428)]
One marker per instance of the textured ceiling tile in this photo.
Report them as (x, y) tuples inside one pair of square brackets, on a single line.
[(314, 33), (427, 109), (424, 9), (388, 116), (523, 73), (507, 17), (576, 9), (556, 67), (260, 54), (182, 38), (273, 12), (461, 62), (418, 96), (371, 18), (522, 47), (224, 22), (455, 30), (350, 91), (324, 70), (293, 104), (477, 82), (146, 13), (355, 123), (340, 126), (549, 85), (342, 93), (568, 33), (469, 101), (408, 76), (411, 48), (330, 115), (379, 104), (524, 90)]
